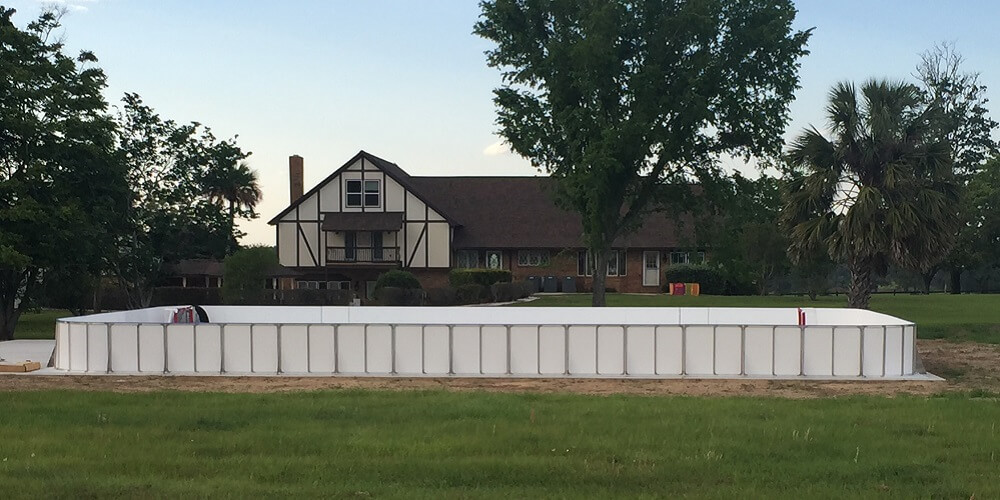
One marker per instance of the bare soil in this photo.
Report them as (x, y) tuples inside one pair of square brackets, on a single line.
[(966, 366)]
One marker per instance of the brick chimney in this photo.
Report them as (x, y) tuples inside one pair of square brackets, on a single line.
[(295, 180)]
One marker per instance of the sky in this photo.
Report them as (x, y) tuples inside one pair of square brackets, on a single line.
[(407, 80)]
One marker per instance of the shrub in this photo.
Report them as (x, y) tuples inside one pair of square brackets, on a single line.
[(396, 296), (484, 277), (246, 272), (509, 292), (472, 293), (444, 296), (397, 279), (176, 295), (710, 279)]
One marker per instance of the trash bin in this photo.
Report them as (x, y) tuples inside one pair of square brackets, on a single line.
[(550, 284), (536, 283), (677, 289), (569, 284)]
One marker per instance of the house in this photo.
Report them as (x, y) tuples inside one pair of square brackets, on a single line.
[(370, 216)]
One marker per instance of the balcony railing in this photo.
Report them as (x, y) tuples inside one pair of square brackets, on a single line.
[(383, 255)]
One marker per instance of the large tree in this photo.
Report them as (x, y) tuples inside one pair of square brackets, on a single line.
[(616, 98), (963, 121), (231, 183), (881, 190), (61, 187)]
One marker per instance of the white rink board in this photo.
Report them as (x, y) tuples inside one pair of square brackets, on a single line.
[(487, 341)]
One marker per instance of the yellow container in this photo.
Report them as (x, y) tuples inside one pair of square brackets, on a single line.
[(693, 289)]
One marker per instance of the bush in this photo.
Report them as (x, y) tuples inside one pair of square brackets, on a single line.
[(509, 292), (247, 271), (472, 293), (484, 277), (396, 296), (397, 279), (445, 296), (710, 280), (176, 295)]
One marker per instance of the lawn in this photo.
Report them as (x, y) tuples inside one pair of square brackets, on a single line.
[(39, 325), (956, 317), (447, 444)]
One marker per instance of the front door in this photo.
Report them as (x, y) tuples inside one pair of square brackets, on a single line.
[(651, 268), (350, 245)]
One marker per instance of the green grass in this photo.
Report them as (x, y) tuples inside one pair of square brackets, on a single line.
[(441, 444), (39, 325), (955, 317)]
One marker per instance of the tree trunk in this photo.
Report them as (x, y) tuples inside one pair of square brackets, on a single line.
[(598, 298), (8, 320), (927, 278), (956, 279), (862, 282), (232, 227)]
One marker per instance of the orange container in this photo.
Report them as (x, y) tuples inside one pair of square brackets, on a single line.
[(694, 289), (677, 289)]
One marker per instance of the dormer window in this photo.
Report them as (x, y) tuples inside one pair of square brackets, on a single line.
[(367, 191)]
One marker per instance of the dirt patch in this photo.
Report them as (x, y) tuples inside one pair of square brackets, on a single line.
[(967, 366)]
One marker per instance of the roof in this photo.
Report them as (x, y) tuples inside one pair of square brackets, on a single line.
[(196, 267), (519, 212), (390, 169), (363, 221)]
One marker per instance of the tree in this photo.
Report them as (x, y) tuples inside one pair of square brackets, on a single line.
[(61, 187), (617, 100), (231, 183), (879, 191), (246, 273), (964, 122)]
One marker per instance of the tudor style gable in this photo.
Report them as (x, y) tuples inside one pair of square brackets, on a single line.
[(366, 213)]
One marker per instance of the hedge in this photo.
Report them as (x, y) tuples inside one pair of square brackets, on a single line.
[(472, 293), (297, 297), (711, 280), (484, 277), (396, 296), (397, 279), (509, 292), (444, 296), (177, 295)]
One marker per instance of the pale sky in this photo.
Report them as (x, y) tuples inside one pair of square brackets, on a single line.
[(406, 80)]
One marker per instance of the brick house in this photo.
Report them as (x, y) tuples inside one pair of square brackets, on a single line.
[(370, 216)]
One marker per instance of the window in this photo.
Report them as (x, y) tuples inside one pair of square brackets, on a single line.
[(467, 259), (697, 257), (494, 259), (371, 195), (678, 258), (307, 285), (585, 264), (532, 258)]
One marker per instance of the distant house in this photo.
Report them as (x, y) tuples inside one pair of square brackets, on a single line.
[(190, 273), (370, 216)]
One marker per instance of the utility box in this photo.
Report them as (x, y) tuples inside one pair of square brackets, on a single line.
[(536, 283), (550, 284), (569, 284)]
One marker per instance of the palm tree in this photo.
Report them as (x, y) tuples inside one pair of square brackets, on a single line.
[(233, 185), (877, 192)]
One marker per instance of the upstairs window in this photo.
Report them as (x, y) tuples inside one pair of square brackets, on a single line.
[(532, 258), (367, 192)]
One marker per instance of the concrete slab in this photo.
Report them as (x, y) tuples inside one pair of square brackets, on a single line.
[(19, 351)]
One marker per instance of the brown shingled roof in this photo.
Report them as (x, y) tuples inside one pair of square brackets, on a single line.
[(363, 221), (519, 212)]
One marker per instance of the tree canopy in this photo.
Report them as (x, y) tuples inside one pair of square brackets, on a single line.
[(618, 99)]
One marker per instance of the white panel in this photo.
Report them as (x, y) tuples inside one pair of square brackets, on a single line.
[(787, 351), (97, 348), (394, 194), (124, 348), (236, 339), (380, 349), (873, 357), (436, 350), (151, 339), (308, 208), (669, 350), (432, 215), (523, 350), (77, 347), (321, 348), (208, 353), (414, 207), (62, 345), (264, 345), (494, 354), (180, 348), (641, 353), (610, 350), (329, 198), (818, 355), (409, 350), (294, 349), (351, 349), (693, 315), (847, 351), (438, 237), (465, 350), (910, 335), (552, 358), (759, 350), (415, 245), (286, 243), (728, 350), (582, 350), (894, 351), (698, 351), (307, 235)]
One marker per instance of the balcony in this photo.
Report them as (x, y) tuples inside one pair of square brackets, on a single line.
[(362, 255)]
